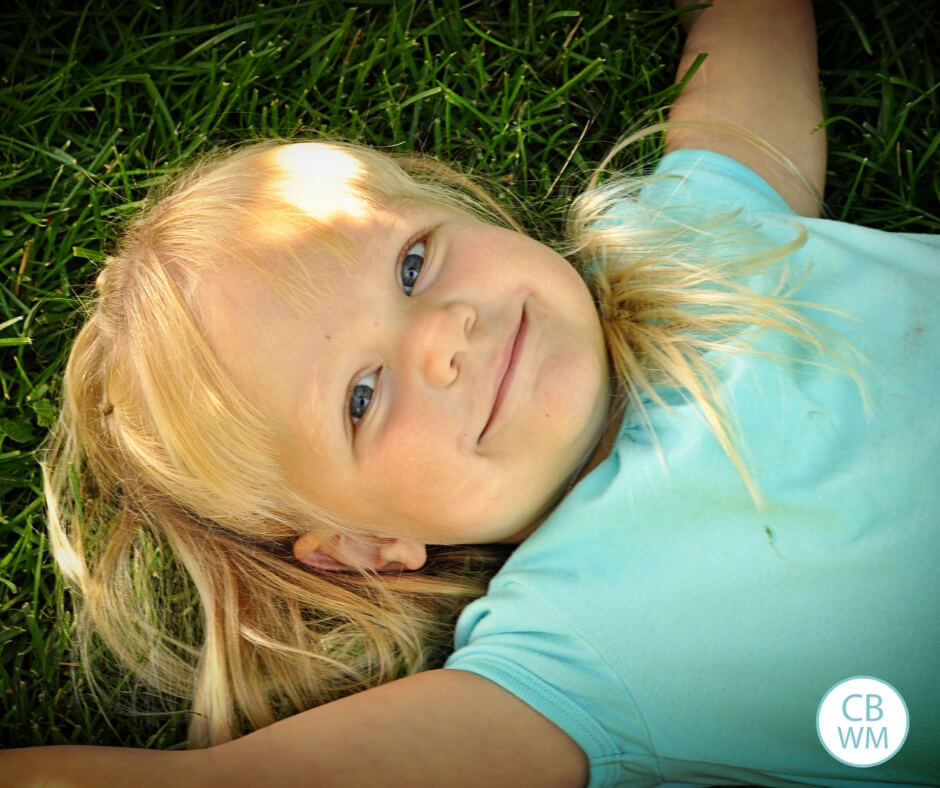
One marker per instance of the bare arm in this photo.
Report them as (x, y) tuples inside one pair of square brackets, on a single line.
[(114, 767), (443, 727), (760, 74)]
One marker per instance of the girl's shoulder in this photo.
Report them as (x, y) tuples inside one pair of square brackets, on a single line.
[(712, 181), (716, 197)]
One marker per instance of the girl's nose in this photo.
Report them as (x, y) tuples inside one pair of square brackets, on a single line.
[(436, 339)]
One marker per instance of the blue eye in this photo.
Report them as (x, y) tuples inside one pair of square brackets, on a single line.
[(361, 397), (411, 266)]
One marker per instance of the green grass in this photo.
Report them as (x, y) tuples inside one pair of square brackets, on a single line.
[(100, 103)]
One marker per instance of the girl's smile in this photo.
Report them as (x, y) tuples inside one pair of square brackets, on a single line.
[(507, 368), (444, 384)]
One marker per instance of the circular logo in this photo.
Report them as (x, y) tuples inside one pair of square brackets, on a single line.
[(862, 721)]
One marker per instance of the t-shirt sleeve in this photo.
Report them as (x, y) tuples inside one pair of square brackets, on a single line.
[(702, 178), (516, 639)]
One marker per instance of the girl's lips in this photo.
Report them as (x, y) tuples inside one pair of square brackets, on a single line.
[(507, 369)]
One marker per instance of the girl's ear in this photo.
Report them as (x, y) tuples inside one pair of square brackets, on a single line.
[(346, 552)]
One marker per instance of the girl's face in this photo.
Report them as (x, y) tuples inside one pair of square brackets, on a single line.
[(446, 387)]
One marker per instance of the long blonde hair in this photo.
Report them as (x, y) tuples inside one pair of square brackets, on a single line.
[(161, 477), (158, 464)]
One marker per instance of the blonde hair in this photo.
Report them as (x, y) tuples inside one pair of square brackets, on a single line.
[(158, 463), (160, 473), (675, 290)]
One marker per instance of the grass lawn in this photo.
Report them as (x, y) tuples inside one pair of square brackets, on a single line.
[(99, 103)]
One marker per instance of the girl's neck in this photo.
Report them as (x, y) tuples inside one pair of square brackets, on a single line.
[(600, 453), (606, 443)]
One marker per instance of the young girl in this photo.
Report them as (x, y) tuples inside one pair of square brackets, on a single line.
[(312, 369)]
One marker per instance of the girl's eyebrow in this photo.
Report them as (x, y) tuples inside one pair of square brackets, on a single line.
[(313, 403), (395, 237)]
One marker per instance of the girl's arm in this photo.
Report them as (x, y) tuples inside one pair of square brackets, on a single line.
[(760, 74), (114, 767), (442, 727)]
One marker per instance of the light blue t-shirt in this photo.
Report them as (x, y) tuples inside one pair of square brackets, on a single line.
[(680, 634)]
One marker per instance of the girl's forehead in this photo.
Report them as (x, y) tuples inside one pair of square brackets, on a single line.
[(297, 263)]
